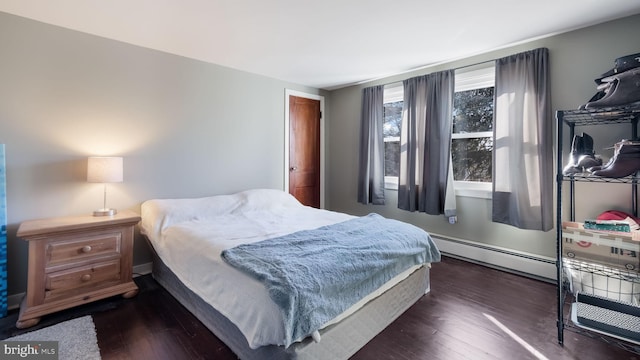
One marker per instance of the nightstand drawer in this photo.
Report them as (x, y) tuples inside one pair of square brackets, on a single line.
[(89, 246), (95, 275)]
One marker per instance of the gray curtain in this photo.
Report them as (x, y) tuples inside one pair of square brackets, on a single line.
[(523, 138), (426, 177), (371, 169)]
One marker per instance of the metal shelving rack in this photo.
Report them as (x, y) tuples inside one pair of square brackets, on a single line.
[(572, 118)]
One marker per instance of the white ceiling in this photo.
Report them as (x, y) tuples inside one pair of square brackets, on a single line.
[(324, 43)]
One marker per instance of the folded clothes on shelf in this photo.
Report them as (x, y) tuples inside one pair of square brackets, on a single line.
[(617, 215), (626, 225)]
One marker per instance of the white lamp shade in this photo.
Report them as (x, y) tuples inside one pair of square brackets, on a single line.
[(103, 169)]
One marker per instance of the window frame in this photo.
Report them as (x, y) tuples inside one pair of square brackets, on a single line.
[(476, 77), (465, 79), (393, 92)]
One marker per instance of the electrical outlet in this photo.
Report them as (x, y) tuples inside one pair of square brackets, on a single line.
[(453, 219)]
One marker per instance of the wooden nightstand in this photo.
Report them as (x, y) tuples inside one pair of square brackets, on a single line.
[(76, 260)]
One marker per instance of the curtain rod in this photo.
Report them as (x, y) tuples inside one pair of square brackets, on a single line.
[(424, 67), (437, 64)]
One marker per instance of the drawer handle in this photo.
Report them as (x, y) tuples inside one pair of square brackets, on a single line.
[(86, 277), (86, 249)]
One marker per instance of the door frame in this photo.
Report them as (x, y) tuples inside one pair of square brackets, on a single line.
[(287, 93)]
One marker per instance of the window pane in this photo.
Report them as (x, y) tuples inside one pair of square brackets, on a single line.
[(391, 158), (472, 159), (391, 133), (392, 119), (473, 110)]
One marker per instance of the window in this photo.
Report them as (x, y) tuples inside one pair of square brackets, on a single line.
[(472, 137), (393, 100)]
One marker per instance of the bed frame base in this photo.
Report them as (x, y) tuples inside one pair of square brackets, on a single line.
[(338, 341)]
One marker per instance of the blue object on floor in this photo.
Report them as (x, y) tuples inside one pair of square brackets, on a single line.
[(3, 235)]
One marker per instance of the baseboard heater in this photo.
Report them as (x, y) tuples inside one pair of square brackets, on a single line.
[(513, 261), (607, 316)]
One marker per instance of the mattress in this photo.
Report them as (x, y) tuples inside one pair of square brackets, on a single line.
[(181, 230)]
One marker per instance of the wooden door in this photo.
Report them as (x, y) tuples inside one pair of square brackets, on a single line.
[(304, 150)]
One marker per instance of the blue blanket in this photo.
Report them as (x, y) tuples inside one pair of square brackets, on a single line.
[(315, 275)]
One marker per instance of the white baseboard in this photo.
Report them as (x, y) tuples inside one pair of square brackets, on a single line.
[(535, 266), (13, 301), (142, 269)]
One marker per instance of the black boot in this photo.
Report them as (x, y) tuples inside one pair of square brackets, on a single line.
[(586, 162), (588, 159), (577, 150)]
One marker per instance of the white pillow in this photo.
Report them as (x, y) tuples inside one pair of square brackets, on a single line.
[(159, 214), (265, 199)]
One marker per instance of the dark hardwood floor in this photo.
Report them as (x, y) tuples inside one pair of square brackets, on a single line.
[(473, 312)]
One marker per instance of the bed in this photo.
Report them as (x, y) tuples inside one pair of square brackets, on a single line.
[(202, 246)]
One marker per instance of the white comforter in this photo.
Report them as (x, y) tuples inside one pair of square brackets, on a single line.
[(190, 234)]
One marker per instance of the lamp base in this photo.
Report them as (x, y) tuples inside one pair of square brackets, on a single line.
[(105, 212)]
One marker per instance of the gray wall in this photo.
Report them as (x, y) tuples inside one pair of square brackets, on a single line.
[(576, 59), (185, 128)]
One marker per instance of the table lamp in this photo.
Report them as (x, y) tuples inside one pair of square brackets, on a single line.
[(103, 169)]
